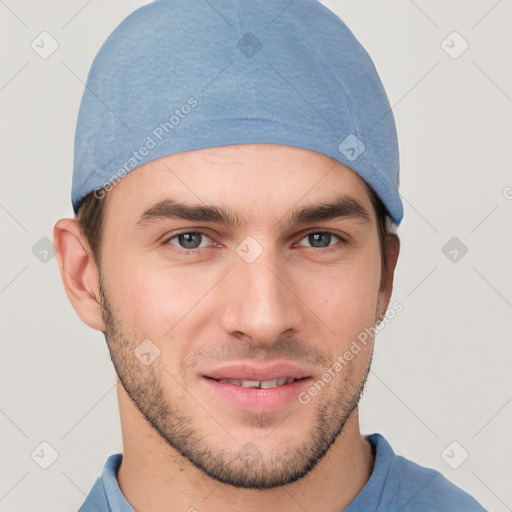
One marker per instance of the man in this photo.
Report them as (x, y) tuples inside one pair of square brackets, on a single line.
[(235, 185)]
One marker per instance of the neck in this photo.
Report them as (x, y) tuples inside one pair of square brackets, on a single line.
[(154, 477)]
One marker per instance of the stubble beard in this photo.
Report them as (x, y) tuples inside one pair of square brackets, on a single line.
[(249, 467)]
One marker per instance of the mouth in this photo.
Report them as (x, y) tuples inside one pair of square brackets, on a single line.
[(259, 384), (256, 388), (271, 375)]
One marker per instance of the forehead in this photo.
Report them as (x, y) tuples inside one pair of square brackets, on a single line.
[(258, 179)]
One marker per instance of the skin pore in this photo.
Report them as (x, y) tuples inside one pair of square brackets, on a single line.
[(312, 289)]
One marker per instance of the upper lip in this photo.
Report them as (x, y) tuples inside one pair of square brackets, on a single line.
[(250, 371)]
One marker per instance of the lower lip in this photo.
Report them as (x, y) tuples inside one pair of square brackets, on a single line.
[(256, 399)]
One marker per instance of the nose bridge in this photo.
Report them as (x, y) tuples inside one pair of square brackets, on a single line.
[(263, 306)]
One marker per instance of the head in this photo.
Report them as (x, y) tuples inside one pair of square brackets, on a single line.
[(303, 290), (249, 174)]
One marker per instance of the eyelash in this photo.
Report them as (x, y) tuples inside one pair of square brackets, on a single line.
[(189, 251)]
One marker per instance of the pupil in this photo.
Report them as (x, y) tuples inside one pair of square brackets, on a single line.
[(315, 237), (188, 242)]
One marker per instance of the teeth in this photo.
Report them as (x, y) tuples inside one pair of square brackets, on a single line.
[(250, 383), (263, 384), (270, 383)]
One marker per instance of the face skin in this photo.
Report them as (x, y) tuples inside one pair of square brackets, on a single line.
[(204, 304)]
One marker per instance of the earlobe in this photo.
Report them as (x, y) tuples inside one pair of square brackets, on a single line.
[(78, 271), (392, 252)]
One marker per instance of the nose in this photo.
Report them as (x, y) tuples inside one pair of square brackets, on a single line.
[(262, 304)]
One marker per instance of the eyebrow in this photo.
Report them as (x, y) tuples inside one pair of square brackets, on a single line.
[(340, 207)]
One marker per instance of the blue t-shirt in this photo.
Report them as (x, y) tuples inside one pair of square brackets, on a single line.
[(395, 485)]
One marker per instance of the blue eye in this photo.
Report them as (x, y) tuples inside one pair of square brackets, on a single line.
[(189, 240), (323, 238)]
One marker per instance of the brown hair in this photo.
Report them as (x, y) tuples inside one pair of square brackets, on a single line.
[(91, 215)]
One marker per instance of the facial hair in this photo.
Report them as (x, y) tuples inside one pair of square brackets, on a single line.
[(250, 467)]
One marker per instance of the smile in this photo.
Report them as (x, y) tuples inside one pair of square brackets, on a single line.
[(260, 384)]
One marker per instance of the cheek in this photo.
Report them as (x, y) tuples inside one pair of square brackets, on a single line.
[(346, 302), (349, 308), (157, 301), (345, 297)]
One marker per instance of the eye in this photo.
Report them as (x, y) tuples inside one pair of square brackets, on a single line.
[(193, 240), (321, 239), (188, 240)]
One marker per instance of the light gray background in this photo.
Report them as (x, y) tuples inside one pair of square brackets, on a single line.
[(441, 371)]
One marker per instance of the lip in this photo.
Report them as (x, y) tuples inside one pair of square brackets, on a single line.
[(249, 371), (256, 400)]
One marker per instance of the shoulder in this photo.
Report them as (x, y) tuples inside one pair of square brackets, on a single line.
[(96, 499), (105, 494), (426, 489), (410, 487)]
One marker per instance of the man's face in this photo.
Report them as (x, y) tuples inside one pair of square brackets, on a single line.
[(264, 300)]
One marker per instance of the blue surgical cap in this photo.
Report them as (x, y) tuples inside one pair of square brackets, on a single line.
[(183, 75)]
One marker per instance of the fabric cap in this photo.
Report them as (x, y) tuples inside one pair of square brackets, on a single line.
[(182, 75)]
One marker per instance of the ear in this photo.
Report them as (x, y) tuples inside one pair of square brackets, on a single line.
[(78, 271), (392, 251)]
